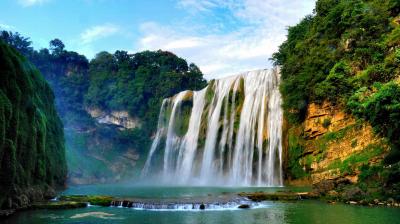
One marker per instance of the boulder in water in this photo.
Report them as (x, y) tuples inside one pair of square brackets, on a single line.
[(244, 206), (202, 207)]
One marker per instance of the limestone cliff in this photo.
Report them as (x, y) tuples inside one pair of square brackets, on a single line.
[(119, 118), (331, 144)]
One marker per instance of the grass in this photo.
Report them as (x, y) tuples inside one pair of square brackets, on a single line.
[(361, 158), (92, 199)]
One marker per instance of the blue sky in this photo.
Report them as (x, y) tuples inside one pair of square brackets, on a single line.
[(223, 37)]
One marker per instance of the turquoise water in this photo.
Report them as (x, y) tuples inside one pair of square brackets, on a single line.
[(271, 212)]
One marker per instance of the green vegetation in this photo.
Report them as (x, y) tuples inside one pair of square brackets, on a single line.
[(337, 54), (139, 82), (135, 83), (326, 122), (92, 199), (31, 134), (381, 107), (296, 150), (356, 160)]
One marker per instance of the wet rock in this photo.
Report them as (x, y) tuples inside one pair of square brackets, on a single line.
[(278, 196), (202, 207), (125, 203), (59, 205), (243, 206)]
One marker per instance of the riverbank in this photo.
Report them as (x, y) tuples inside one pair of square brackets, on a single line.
[(224, 201), (298, 196)]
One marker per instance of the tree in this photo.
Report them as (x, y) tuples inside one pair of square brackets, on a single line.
[(57, 46), (20, 43)]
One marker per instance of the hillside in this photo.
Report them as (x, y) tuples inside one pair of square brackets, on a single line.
[(340, 85), (109, 106), (32, 151)]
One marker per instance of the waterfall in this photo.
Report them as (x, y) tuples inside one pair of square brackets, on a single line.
[(229, 133)]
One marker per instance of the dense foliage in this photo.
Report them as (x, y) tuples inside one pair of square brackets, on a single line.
[(136, 83), (31, 133), (338, 54)]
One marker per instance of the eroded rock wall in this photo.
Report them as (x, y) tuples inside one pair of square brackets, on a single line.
[(331, 144)]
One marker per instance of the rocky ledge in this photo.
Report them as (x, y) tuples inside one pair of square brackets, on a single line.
[(278, 196)]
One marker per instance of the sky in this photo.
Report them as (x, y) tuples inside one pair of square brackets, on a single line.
[(222, 37)]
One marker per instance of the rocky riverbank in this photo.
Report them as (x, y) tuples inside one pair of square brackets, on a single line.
[(349, 196), (243, 200)]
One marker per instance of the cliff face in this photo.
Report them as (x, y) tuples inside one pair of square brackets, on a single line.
[(330, 145), (119, 118), (32, 153), (107, 160)]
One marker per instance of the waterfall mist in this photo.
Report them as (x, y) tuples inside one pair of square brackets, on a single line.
[(229, 133)]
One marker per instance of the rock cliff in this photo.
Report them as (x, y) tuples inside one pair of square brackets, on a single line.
[(119, 118), (331, 144)]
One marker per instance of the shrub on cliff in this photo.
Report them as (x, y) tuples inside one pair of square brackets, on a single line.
[(381, 108), (347, 52)]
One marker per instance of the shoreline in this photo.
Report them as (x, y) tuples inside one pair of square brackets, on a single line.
[(242, 200)]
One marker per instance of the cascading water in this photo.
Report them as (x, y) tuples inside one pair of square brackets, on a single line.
[(229, 133)]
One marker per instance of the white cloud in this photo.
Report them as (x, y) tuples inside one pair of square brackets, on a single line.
[(219, 54), (97, 32), (6, 27), (27, 3)]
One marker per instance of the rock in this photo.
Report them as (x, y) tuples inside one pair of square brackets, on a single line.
[(390, 201), (59, 205), (244, 206), (381, 203), (363, 202), (50, 193), (202, 207), (125, 203), (353, 202), (119, 118), (23, 201), (396, 204), (6, 213), (376, 201), (333, 193), (353, 193), (277, 196), (324, 186)]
